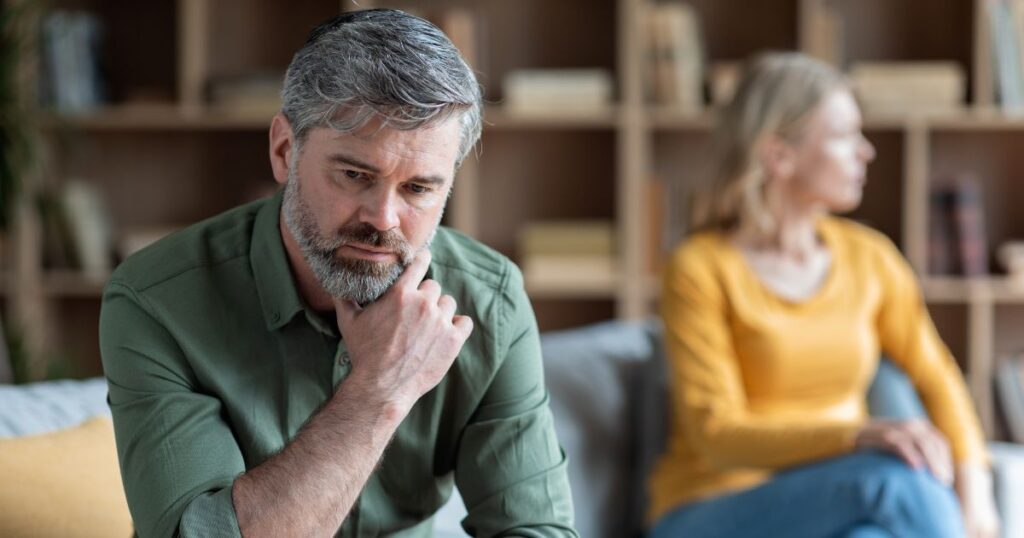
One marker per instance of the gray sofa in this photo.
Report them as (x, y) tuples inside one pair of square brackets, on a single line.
[(608, 393), (608, 396)]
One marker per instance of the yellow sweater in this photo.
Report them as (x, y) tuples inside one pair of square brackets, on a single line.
[(761, 383)]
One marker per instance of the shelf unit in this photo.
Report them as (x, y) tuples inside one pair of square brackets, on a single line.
[(176, 159)]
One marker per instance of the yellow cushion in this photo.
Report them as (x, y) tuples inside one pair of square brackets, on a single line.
[(65, 483)]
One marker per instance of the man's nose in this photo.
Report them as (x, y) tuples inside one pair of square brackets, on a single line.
[(380, 209)]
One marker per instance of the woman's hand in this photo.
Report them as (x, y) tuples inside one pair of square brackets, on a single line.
[(974, 487), (915, 441)]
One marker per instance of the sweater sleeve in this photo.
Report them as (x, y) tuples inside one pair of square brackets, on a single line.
[(908, 336), (707, 381)]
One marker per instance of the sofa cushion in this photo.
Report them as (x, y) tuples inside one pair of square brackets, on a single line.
[(64, 483), (51, 405), (590, 373)]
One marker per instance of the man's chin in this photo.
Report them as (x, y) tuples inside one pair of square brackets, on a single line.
[(364, 267)]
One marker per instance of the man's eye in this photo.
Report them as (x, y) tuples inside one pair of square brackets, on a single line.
[(354, 174), (416, 188)]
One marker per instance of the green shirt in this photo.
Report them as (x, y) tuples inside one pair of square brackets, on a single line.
[(214, 363)]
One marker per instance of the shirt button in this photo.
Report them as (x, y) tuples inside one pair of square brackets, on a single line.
[(275, 316)]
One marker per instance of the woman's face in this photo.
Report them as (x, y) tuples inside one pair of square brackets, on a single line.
[(831, 158)]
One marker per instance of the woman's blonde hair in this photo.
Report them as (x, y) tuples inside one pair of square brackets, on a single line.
[(776, 95)]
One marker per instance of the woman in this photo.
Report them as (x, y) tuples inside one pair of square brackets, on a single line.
[(776, 313)]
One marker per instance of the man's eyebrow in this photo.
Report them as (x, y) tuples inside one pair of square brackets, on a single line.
[(430, 180), (338, 158), (346, 160)]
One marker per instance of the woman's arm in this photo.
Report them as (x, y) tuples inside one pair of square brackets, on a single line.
[(908, 335)]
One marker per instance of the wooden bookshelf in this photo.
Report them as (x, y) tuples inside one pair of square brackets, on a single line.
[(72, 284), (164, 154), (6, 280), (572, 290)]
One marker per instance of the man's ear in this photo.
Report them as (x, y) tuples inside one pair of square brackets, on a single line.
[(282, 144), (778, 158)]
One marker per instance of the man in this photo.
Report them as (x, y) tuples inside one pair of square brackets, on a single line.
[(330, 360)]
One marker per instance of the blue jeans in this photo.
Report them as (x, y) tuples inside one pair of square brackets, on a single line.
[(865, 494)]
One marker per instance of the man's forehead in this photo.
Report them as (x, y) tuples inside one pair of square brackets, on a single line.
[(435, 141), (376, 129)]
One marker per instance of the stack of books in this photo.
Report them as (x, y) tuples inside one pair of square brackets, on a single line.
[(568, 253), (70, 42), (909, 87), (676, 57), (572, 91), (256, 94), (958, 244)]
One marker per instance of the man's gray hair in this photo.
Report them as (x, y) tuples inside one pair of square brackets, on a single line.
[(384, 64)]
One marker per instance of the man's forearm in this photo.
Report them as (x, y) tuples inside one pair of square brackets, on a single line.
[(309, 487)]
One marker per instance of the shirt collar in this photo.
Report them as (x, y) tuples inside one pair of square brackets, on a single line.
[(274, 280)]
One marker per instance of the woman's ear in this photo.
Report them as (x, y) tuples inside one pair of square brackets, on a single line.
[(778, 158)]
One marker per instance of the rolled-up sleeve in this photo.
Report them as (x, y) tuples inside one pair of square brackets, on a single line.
[(178, 456), (510, 469)]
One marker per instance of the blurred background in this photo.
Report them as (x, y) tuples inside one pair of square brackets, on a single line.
[(123, 121)]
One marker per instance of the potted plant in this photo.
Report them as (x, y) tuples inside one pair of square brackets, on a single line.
[(17, 152)]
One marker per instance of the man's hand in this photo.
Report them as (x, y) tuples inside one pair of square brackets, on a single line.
[(974, 487), (915, 441), (400, 347), (404, 343)]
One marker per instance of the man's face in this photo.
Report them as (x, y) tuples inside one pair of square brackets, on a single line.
[(362, 205)]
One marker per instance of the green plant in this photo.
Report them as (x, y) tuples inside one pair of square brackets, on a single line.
[(16, 119), (16, 353)]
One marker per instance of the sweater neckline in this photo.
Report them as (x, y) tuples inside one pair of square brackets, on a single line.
[(830, 242)]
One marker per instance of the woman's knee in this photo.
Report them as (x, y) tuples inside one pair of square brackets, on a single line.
[(896, 495)]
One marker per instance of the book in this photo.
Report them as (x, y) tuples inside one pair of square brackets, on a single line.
[(543, 91), (941, 258), (567, 237), (1009, 388), (568, 253), (1016, 22), (1006, 51), (463, 28), (914, 87), (656, 210), (969, 221), (824, 34), (254, 94), (958, 243), (90, 228), (676, 56), (71, 81), (723, 78), (570, 271)]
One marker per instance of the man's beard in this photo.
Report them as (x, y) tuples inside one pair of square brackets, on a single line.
[(362, 281)]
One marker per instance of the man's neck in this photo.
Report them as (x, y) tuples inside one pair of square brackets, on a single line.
[(308, 286)]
